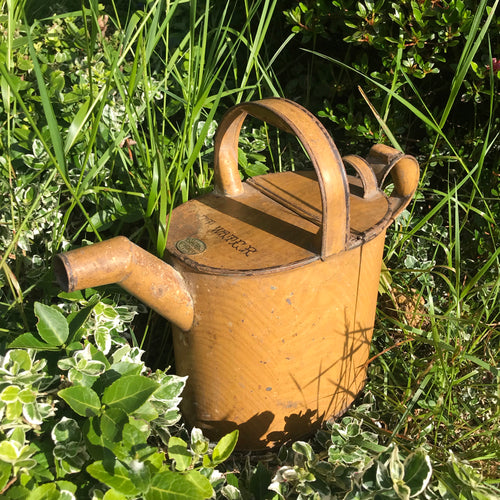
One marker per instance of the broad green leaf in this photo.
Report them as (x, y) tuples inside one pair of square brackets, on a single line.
[(29, 341), (10, 394), (178, 451), (402, 490), (382, 476), (396, 467), (52, 325), (304, 449), (14, 410), (83, 400), (149, 412), (46, 491), (9, 452), (27, 396), (225, 447), (156, 460), (18, 492), (255, 168), (231, 492), (27, 463), (171, 388), (25, 451), (103, 340), (135, 436), (129, 393), (168, 485), (96, 445), (113, 495), (5, 471), (418, 472), (140, 474), (114, 475), (199, 443), (124, 368), (261, 477), (66, 363), (18, 435), (232, 479), (67, 450), (67, 486), (171, 416), (79, 378), (66, 430), (91, 367), (31, 413), (21, 358), (112, 422), (120, 369)]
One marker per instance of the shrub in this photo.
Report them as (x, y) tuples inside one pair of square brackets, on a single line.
[(400, 45), (82, 416)]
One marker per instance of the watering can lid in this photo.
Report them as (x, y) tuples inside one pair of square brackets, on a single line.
[(285, 220)]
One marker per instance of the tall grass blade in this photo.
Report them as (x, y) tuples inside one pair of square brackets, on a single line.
[(380, 121), (77, 125), (471, 47), (52, 123), (256, 42)]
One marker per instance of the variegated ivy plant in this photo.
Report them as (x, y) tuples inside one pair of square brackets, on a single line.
[(81, 416)]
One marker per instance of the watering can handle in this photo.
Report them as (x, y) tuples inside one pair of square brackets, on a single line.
[(381, 161), (293, 118)]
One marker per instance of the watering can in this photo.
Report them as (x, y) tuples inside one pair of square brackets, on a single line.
[(270, 284)]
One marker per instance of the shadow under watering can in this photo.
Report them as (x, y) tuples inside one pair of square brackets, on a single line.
[(271, 284)]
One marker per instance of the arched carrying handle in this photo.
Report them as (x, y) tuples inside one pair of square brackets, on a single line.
[(290, 117)]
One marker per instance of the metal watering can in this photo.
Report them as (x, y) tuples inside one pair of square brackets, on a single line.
[(271, 284)]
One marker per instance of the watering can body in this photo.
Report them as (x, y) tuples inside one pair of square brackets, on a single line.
[(271, 284)]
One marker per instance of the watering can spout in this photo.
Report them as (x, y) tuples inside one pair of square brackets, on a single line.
[(140, 273)]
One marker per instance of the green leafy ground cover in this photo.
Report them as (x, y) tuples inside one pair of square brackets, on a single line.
[(107, 121)]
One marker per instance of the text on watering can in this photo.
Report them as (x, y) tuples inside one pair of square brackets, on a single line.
[(231, 239)]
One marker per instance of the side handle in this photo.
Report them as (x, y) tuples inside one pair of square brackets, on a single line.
[(404, 172)]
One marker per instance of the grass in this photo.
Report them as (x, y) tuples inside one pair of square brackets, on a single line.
[(445, 380), (107, 125)]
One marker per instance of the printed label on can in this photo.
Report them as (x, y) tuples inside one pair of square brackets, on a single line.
[(191, 246)]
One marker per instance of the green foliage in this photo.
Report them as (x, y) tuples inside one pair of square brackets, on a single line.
[(81, 418), (108, 115), (401, 45), (425, 31), (432, 368), (354, 459), (359, 475), (107, 125)]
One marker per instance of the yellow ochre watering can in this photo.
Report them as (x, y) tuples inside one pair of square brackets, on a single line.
[(271, 284)]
